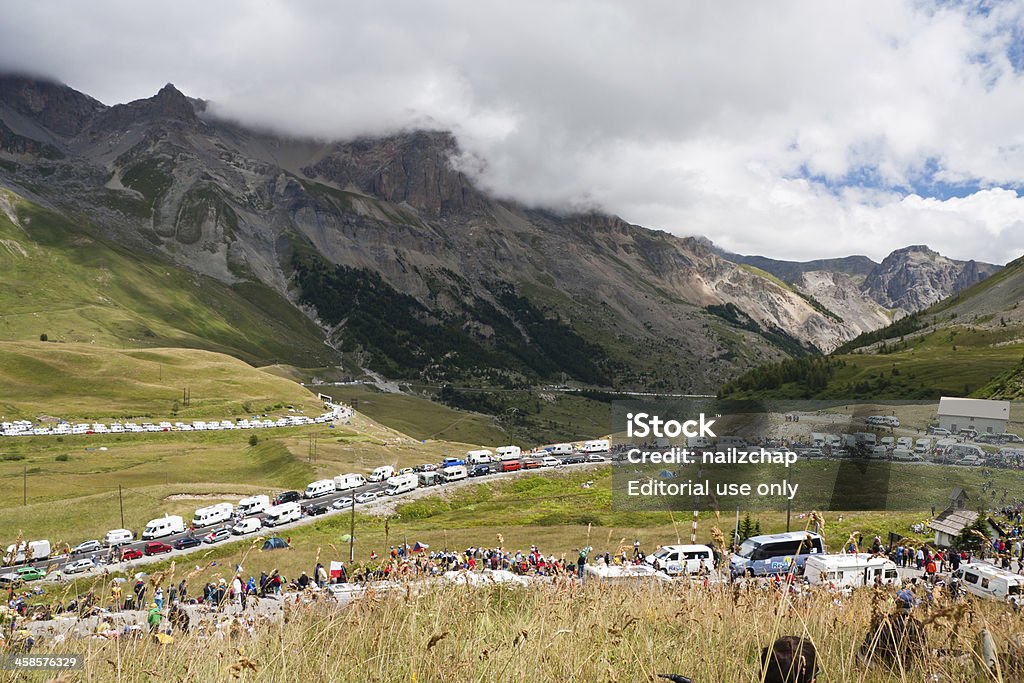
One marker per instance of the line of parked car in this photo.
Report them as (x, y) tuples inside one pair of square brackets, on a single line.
[(27, 428), (221, 521)]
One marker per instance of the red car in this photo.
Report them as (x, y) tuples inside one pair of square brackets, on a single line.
[(511, 466), (131, 554), (156, 547), (531, 464)]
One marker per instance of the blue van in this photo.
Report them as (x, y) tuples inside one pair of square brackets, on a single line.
[(775, 554)]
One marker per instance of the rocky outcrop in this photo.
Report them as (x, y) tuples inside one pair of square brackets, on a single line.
[(915, 277)]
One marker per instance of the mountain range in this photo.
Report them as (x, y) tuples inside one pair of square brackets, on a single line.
[(379, 254)]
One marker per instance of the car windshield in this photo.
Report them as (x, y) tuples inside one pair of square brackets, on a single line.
[(748, 548), (662, 553)]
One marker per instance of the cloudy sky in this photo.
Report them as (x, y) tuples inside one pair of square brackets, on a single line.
[(789, 129)]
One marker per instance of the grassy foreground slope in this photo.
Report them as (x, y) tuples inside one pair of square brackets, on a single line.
[(58, 277)]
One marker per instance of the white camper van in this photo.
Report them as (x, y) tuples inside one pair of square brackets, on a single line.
[(850, 570), (596, 446), (989, 581), (321, 487), (682, 559), (26, 550), (253, 505), (163, 526), (509, 452), (905, 455), (118, 537), (344, 482), (382, 473), (454, 473), (478, 457), (212, 514), (922, 446), (282, 514), (402, 484)]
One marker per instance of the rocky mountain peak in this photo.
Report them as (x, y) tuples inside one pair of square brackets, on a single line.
[(915, 277), (169, 104)]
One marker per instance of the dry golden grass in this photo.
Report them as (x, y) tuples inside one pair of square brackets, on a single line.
[(554, 633)]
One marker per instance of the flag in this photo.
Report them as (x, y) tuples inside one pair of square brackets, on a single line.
[(335, 570), (419, 547)]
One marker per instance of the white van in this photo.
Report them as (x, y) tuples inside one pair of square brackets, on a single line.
[(905, 442), (454, 473), (246, 526), (163, 526), (27, 550), (282, 514), (321, 487), (989, 581), (851, 570), (905, 455), (402, 484), (118, 537), (509, 452), (561, 449), (596, 446), (382, 473), (253, 505), (212, 514), (677, 560), (344, 482), (480, 457), (922, 446)]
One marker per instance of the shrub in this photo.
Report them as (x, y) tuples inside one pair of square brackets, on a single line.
[(253, 439)]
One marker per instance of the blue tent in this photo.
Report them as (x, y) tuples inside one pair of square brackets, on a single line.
[(274, 543), (667, 474)]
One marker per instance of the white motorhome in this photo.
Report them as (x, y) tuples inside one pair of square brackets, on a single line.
[(596, 446), (922, 446), (561, 449), (878, 452), (212, 514), (321, 487), (26, 550), (509, 452), (118, 537), (865, 438), (905, 442), (253, 505), (851, 570), (905, 455), (282, 514), (163, 526), (344, 482), (382, 473), (402, 484), (989, 581), (478, 457), (677, 560), (887, 441), (818, 440), (454, 473)]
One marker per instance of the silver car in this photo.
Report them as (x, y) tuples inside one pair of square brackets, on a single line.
[(78, 566)]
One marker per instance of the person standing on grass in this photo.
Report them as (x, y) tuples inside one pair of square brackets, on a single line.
[(181, 591), (238, 592), (154, 618), (140, 593), (582, 561), (158, 597), (115, 596)]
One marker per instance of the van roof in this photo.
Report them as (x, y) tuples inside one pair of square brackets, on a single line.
[(992, 570), (785, 536)]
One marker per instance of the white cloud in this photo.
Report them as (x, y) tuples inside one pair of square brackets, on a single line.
[(698, 118)]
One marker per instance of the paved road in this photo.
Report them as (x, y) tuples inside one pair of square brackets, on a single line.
[(101, 557)]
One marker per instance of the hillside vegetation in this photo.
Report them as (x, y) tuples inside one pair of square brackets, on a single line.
[(61, 279)]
